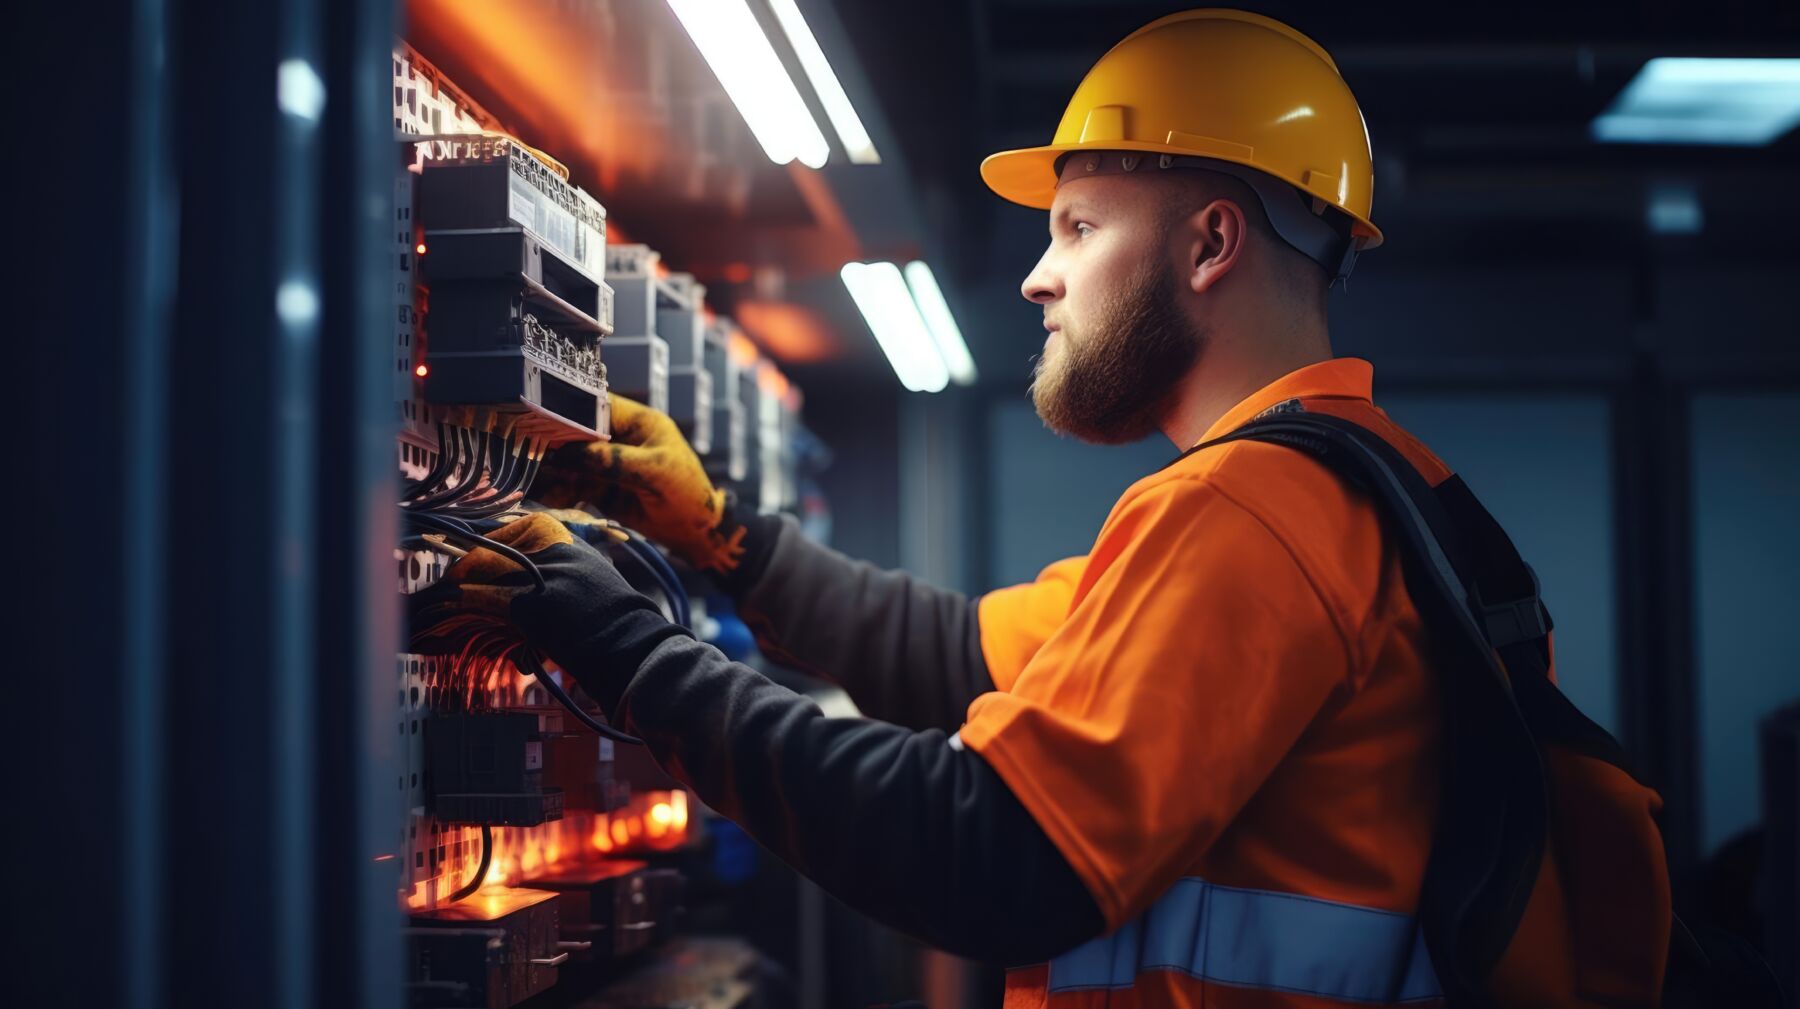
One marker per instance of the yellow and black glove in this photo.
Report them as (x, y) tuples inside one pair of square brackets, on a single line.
[(570, 604), (649, 478)]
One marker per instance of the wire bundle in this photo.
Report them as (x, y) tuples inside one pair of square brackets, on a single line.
[(478, 474), (488, 643)]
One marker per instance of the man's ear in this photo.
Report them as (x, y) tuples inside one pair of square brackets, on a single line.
[(1214, 239)]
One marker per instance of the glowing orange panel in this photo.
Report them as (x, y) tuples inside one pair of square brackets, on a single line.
[(489, 903)]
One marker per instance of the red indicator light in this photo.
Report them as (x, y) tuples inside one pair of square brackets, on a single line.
[(419, 248), (421, 371)]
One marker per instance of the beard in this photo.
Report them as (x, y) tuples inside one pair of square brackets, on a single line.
[(1114, 380)]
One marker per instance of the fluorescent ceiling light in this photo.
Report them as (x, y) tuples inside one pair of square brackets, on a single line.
[(881, 295), (944, 331), (825, 84), (744, 61), (1686, 100)]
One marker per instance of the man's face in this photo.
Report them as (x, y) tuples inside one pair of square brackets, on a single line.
[(1118, 344)]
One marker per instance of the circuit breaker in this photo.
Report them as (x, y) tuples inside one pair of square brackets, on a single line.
[(534, 862)]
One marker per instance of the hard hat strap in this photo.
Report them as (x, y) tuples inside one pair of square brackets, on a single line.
[(1324, 238)]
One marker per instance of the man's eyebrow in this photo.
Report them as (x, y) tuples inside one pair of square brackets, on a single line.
[(1073, 208)]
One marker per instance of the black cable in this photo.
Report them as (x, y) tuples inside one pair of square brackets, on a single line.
[(523, 658), (661, 576), (481, 871), (528, 664), (645, 550), (456, 530)]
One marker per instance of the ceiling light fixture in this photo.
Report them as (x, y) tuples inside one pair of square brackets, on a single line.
[(743, 59), (888, 307), (825, 84), (944, 331), (1691, 100)]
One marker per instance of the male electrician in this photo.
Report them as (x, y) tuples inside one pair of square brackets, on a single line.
[(1198, 766)]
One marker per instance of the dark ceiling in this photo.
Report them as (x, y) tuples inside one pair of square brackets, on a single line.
[(1478, 114)]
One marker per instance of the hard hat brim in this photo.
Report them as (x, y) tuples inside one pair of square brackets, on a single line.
[(1027, 176)]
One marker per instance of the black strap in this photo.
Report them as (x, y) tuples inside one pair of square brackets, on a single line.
[(1489, 841), (1473, 898), (1509, 601)]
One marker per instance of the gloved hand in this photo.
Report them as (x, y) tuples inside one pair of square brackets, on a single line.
[(586, 617), (648, 478)]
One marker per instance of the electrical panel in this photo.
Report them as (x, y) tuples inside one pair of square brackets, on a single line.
[(534, 862)]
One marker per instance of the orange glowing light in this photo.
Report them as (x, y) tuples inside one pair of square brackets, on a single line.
[(662, 814), (419, 248), (794, 333), (772, 382), (737, 273), (422, 371), (620, 834), (742, 350), (490, 903)]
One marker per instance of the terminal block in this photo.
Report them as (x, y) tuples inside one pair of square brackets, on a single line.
[(633, 272), (560, 381), (492, 950), (734, 416), (659, 322), (680, 319), (638, 367), (476, 181), (681, 323), (619, 906), (514, 260), (691, 401), (580, 766), (488, 768), (724, 423)]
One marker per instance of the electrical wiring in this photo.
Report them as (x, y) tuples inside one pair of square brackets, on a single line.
[(523, 658), (651, 572), (644, 550), (648, 558), (528, 664), (456, 530), (481, 870)]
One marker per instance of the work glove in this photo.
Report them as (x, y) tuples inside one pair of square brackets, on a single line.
[(585, 617), (648, 478)]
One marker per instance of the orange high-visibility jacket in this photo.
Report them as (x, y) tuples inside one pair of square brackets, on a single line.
[(1224, 718)]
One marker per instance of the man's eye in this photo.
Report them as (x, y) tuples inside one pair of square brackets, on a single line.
[(1083, 229)]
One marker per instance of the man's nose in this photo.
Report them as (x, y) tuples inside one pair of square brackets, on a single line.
[(1042, 285)]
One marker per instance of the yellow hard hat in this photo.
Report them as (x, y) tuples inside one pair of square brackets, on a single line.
[(1223, 85)]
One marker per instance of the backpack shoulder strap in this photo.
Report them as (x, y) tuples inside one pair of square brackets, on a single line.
[(1489, 841), (1493, 816)]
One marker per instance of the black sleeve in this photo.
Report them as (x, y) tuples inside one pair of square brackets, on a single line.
[(904, 651), (901, 825)]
